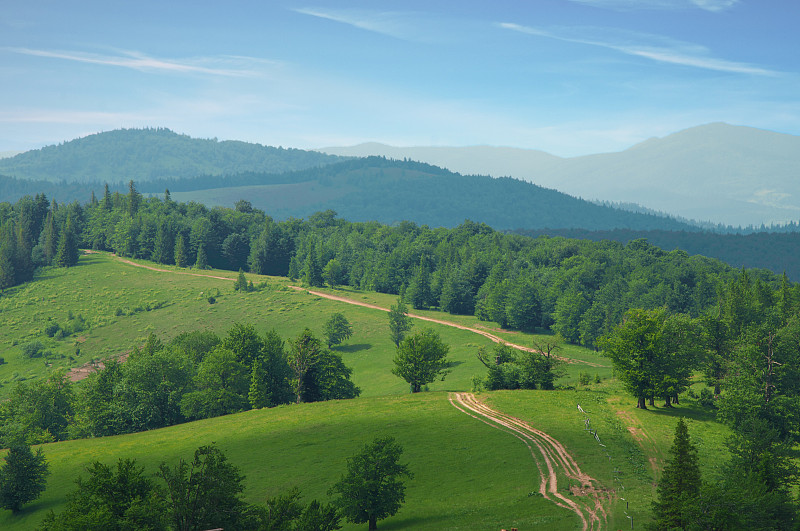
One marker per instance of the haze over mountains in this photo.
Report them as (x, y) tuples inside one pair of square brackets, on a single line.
[(717, 172)]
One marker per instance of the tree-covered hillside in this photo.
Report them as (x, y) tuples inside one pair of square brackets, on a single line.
[(389, 191), (575, 288), (776, 251), (147, 154)]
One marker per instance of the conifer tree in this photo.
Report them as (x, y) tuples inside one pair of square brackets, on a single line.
[(258, 395), (49, 238), (181, 260), (202, 258), (107, 203), (134, 199), (312, 274), (679, 487), (67, 252)]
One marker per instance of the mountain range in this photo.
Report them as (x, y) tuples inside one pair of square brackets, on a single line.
[(721, 173)]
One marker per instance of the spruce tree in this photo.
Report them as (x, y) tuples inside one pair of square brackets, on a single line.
[(202, 258), (312, 274), (259, 394), (49, 238), (679, 488), (67, 252), (181, 260)]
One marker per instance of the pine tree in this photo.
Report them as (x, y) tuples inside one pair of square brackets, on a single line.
[(181, 260), (241, 282), (202, 258), (67, 252), (399, 322), (312, 274), (679, 488), (259, 394), (134, 199), (22, 478), (107, 203), (49, 238)]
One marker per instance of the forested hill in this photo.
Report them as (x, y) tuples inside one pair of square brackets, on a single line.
[(390, 191), (774, 251), (147, 154)]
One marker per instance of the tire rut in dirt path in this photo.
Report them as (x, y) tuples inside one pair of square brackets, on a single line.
[(484, 333), (549, 454)]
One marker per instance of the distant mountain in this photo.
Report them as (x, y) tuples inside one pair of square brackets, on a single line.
[(148, 154), (717, 172), (390, 191)]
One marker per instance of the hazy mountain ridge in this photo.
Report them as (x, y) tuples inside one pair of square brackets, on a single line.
[(717, 172), (147, 154)]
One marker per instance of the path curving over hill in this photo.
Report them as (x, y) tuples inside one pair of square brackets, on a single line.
[(586, 501), (484, 333)]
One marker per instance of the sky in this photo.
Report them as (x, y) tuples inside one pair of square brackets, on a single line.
[(570, 77)]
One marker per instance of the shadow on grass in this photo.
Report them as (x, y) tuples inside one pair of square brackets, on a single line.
[(689, 410), (411, 522), (349, 349)]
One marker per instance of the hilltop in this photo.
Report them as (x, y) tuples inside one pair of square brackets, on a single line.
[(147, 154), (716, 172)]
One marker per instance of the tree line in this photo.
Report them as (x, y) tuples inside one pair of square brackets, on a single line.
[(205, 493), (196, 375), (575, 288), (746, 348)]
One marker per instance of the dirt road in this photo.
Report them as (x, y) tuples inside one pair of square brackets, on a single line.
[(484, 333), (586, 499)]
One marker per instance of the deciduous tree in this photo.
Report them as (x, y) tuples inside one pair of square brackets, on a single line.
[(421, 359), (373, 488)]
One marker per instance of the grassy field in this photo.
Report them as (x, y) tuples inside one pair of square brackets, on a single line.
[(467, 474), (122, 304)]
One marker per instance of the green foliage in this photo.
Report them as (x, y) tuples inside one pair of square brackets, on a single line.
[(38, 411), (373, 488), (509, 368), (679, 486), (337, 329), (241, 283), (421, 359), (221, 387), (399, 322), (111, 498), (23, 477), (206, 493), (654, 353)]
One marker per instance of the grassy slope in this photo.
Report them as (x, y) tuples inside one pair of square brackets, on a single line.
[(468, 476)]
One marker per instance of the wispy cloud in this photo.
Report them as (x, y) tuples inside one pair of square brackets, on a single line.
[(631, 5), (653, 47), (391, 23), (221, 65)]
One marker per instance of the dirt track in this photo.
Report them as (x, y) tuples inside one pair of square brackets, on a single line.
[(484, 333), (548, 452)]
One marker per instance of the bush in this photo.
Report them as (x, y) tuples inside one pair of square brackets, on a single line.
[(118, 312), (706, 398), (212, 300), (51, 329), (584, 378), (33, 349)]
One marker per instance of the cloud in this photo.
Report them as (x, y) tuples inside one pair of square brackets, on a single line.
[(653, 47), (390, 23), (222, 65), (631, 5)]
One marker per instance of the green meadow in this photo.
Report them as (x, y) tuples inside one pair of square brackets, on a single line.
[(467, 475)]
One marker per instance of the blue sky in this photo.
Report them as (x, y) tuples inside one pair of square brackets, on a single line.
[(570, 77)]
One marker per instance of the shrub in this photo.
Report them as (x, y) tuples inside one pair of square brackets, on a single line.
[(32, 349), (51, 329), (584, 378), (706, 398), (212, 300)]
